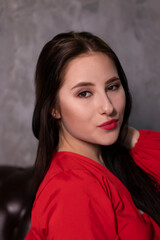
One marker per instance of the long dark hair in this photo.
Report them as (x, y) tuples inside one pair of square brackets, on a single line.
[(48, 80)]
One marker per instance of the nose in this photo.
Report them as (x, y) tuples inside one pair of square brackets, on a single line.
[(106, 105)]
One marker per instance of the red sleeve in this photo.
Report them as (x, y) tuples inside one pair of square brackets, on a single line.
[(146, 153), (73, 207)]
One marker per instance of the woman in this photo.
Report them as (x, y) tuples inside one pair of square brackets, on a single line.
[(97, 178)]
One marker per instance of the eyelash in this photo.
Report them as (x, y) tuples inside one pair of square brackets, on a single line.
[(113, 88)]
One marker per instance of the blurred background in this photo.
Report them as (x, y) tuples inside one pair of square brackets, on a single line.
[(130, 27)]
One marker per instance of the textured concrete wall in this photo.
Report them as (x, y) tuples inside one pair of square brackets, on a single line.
[(131, 27)]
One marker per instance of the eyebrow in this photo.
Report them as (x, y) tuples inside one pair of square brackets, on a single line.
[(82, 84)]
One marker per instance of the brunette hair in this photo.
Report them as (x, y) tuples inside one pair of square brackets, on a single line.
[(55, 55)]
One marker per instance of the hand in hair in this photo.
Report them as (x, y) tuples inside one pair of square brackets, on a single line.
[(131, 138)]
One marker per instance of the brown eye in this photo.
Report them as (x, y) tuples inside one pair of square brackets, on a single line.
[(113, 87), (84, 94)]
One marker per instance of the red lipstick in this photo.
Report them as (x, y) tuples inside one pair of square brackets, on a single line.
[(109, 125)]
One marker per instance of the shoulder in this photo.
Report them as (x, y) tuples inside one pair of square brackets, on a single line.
[(66, 182), (70, 200), (70, 192)]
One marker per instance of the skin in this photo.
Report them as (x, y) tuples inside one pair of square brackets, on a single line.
[(131, 138), (83, 108)]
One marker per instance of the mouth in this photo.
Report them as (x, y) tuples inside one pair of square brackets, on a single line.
[(109, 125)]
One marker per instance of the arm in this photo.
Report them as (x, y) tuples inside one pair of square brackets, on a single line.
[(146, 153)]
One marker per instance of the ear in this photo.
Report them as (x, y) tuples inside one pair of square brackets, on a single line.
[(56, 114)]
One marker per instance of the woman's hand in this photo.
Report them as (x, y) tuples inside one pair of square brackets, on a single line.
[(130, 138)]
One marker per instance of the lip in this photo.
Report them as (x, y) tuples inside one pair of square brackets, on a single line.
[(111, 124)]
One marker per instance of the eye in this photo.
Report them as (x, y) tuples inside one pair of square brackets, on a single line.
[(113, 87), (84, 94)]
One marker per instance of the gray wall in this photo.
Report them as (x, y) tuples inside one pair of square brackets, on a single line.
[(131, 27)]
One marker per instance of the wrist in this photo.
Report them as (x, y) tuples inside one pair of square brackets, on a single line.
[(131, 138)]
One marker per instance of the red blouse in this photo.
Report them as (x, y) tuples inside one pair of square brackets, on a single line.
[(79, 199)]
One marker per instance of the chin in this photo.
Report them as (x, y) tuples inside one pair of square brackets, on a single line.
[(110, 140), (108, 143)]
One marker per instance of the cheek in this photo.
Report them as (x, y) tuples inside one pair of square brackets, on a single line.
[(121, 107), (119, 102), (73, 113), (123, 102), (75, 119)]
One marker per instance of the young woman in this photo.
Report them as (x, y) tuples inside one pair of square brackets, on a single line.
[(97, 179)]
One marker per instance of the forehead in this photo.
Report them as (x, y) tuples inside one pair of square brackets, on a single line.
[(89, 67)]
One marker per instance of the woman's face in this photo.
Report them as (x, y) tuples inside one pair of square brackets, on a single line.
[(91, 95)]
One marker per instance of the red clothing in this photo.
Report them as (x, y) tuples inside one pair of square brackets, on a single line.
[(79, 199)]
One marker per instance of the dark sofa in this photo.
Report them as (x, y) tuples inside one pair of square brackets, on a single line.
[(16, 198)]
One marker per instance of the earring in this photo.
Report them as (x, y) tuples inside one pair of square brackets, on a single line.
[(54, 114)]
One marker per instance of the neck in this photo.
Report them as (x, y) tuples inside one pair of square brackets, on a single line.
[(86, 149)]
